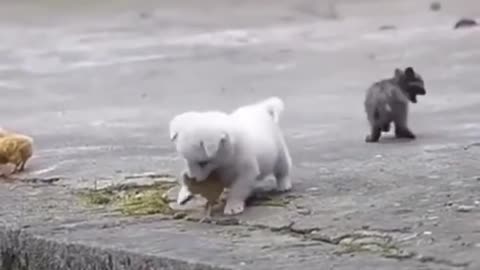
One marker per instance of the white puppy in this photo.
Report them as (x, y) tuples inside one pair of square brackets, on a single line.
[(243, 147)]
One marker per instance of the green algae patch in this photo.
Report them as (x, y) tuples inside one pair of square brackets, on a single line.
[(382, 245), (147, 202), (131, 199), (98, 198), (271, 199)]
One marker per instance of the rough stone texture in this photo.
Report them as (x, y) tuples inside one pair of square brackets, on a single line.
[(95, 84)]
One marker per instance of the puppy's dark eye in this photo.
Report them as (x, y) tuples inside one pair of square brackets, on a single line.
[(202, 164)]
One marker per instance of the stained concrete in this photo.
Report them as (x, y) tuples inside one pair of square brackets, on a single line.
[(95, 84)]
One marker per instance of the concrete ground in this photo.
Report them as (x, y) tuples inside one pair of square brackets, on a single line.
[(96, 82)]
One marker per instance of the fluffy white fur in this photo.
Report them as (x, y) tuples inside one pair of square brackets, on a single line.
[(243, 147)]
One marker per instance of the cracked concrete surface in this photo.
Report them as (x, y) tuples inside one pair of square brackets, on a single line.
[(95, 84)]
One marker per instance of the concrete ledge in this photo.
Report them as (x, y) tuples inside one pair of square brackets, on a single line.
[(21, 250)]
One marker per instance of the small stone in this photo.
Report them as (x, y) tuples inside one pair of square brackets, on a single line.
[(457, 238), (427, 233), (465, 208), (227, 221), (179, 215), (465, 23), (435, 6), (387, 27), (304, 211), (372, 248), (144, 15)]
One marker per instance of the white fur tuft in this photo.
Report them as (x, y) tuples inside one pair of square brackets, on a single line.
[(275, 107)]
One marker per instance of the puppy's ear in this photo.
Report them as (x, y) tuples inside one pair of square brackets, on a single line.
[(173, 136), (212, 146), (409, 72), (398, 73), (174, 129)]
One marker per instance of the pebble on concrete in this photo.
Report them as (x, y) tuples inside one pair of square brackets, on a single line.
[(465, 208), (465, 23), (435, 6)]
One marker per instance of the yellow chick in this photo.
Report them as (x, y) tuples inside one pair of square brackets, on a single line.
[(15, 149), (211, 189)]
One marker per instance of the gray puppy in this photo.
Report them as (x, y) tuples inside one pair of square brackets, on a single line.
[(387, 101)]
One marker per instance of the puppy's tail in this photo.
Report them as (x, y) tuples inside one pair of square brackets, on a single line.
[(274, 107)]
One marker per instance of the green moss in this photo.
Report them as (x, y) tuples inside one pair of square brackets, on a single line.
[(148, 202), (97, 197), (370, 247), (382, 245), (131, 199), (273, 200)]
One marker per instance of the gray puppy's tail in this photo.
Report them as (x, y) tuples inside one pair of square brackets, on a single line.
[(274, 107)]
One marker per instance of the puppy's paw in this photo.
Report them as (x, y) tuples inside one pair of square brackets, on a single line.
[(404, 133), (184, 195), (234, 208), (284, 184), (370, 139)]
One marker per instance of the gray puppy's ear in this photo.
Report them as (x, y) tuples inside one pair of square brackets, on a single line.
[(398, 73), (409, 72)]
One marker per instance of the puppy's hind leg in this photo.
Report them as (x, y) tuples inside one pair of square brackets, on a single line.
[(386, 127), (374, 135), (282, 170), (401, 128)]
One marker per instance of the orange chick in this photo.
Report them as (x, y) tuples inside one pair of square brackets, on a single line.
[(211, 189), (15, 149)]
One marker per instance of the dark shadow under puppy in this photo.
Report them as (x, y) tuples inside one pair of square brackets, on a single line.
[(387, 101)]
